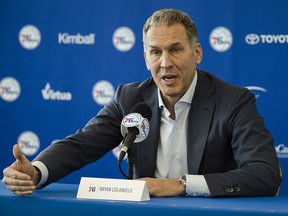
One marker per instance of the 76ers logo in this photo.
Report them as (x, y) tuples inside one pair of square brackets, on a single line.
[(144, 128), (132, 120)]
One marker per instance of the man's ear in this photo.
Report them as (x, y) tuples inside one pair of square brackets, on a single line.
[(145, 57), (198, 54)]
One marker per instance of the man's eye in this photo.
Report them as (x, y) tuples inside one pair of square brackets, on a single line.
[(175, 50), (155, 52)]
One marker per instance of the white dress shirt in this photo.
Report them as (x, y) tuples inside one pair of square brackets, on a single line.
[(44, 171), (172, 148)]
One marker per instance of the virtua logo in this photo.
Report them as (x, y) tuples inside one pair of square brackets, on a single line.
[(65, 38), (50, 94)]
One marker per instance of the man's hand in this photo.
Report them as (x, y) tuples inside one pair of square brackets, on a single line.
[(21, 177), (164, 187)]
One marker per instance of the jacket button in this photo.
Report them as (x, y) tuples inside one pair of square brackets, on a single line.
[(229, 190)]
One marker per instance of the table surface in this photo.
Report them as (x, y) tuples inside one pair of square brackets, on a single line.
[(58, 197)]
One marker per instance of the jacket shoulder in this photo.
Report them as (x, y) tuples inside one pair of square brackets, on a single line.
[(214, 86)]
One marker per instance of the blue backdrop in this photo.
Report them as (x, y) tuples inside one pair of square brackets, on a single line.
[(61, 61)]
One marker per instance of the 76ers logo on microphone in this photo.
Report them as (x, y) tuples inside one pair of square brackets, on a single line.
[(135, 120), (132, 120), (144, 128)]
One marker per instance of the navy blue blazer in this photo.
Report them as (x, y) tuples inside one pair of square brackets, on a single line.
[(227, 139)]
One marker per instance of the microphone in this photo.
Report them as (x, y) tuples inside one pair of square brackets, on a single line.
[(135, 127)]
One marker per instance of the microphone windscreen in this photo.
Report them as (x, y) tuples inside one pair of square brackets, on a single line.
[(143, 109)]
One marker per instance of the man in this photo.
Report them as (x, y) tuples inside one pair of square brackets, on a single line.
[(206, 136)]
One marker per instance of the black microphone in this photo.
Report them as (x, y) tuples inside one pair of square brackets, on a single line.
[(135, 127)]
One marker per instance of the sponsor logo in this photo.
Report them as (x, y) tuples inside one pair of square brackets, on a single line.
[(123, 39), (29, 143), (116, 151), (282, 151), (66, 38), (50, 94), (9, 89), (221, 39), (29, 37), (102, 92), (55, 141), (256, 90), (254, 39)]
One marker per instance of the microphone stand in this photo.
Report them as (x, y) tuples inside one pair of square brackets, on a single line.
[(130, 162)]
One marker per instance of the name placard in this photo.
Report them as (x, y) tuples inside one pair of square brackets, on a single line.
[(113, 189)]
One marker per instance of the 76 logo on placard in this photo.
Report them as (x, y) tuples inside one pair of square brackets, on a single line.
[(92, 188)]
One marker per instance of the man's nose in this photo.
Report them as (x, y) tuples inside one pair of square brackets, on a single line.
[(166, 61)]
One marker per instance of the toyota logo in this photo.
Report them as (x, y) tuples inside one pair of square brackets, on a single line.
[(252, 39)]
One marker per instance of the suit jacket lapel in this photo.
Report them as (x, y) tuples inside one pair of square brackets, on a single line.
[(147, 149), (200, 119)]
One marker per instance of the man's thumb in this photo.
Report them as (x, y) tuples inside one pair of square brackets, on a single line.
[(18, 154)]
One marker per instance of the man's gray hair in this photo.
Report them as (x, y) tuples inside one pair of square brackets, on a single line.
[(168, 17)]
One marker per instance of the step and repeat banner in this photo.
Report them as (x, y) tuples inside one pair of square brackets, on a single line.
[(61, 62)]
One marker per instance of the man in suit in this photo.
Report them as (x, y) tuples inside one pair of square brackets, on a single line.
[(206, 136)]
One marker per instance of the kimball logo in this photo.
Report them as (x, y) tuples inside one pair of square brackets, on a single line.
[(66, 38), (50, 94)]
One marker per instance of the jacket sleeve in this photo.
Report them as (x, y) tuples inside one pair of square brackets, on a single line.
[(257, 172), (100, 135)]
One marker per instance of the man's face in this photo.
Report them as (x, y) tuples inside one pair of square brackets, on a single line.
[(171, 60)]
